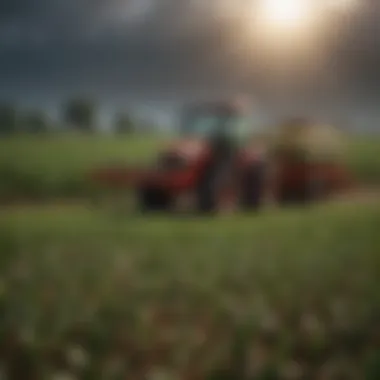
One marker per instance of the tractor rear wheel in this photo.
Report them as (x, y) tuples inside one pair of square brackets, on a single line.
[(318, 189), (293, 196), (313, 190), (152, 199)]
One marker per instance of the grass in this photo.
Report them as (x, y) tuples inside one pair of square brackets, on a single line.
[(152, 282), (57, 165), (363, 158), (98, 296)]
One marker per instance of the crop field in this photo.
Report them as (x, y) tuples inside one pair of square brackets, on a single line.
[(286, 294), (57, 166)]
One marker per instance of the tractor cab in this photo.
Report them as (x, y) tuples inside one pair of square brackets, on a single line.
[(211, 121)]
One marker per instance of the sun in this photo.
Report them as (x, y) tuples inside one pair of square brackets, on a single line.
[(284, 13)]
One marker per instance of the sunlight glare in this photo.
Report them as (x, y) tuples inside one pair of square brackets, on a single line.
[(342, 5), (285, 13)]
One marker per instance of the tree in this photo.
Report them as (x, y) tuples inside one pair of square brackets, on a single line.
[(80, 114), (124, 124), (8, 119), (35, 122)]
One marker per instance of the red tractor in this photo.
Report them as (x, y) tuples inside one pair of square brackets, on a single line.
[(216, 163)]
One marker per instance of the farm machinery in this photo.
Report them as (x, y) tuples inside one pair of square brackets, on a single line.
[(218, 163)]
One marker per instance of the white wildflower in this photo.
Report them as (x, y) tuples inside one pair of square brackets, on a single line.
[(78, 357), (63, 376), (162, 374), (291, 371), (311, 324), (114, 366)]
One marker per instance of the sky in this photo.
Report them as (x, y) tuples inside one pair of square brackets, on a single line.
[(157, 54)]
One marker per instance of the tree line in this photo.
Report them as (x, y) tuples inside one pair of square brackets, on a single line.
[(77, 115)]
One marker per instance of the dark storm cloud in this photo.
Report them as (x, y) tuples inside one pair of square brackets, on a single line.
[(159, 48), (86, 21), (165, 48)]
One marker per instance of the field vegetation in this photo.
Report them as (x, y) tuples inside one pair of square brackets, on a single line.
[(56, 165), (284, 294)]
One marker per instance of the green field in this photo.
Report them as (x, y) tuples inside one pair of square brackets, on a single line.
[(191, 291), (57, 166), (86, 292)]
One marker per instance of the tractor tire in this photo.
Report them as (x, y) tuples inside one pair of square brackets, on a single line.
[(206, 193), (318, 190), (288, 197), (297, 197), (313, 191), (151, 199), (252, 187)]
